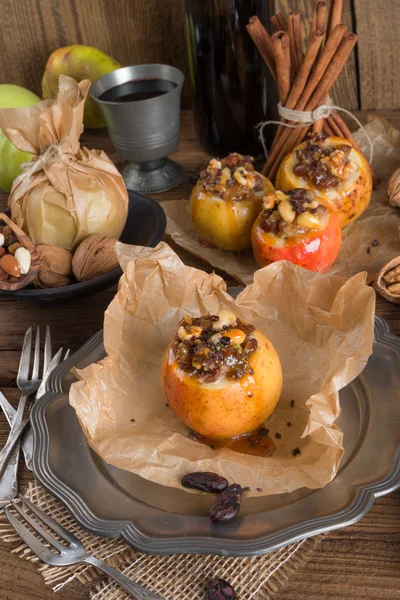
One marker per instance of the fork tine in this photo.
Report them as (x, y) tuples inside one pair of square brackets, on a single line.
[(30, 540), (67, 354), (36, 360), (62, 532), (25, 359), (47, 351), (35, 525)]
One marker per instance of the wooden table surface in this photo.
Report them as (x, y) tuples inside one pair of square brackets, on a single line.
[(359, 562)]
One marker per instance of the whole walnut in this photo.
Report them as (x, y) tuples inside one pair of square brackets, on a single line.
[(55, 268), (393, 188), (94, 256)]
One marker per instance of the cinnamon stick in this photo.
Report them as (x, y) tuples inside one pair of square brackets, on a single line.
[(327, 129), (262, 40), (321, 13), (278, 22), (314, 44), (289, 137), (333, 70), (315, 77), (324, 60), (335, 15), (280, 46), (295, 44)]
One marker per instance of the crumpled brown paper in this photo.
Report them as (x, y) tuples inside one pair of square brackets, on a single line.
[(93, 196), (379, 222), (386, 145), (321, 326)]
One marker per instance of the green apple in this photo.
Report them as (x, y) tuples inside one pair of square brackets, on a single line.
[(11, 159)]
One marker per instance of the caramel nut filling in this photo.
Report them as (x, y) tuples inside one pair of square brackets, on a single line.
[(232, 177), (324, 166), (215, 346), (291, 213)]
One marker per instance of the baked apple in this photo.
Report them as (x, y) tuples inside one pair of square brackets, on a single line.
[(221, 376), (339, 174), (226, 201), (295, 226)]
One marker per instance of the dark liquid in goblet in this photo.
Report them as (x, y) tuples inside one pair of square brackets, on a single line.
[(138, 89)]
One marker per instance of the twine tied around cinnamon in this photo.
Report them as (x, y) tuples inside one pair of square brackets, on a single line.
[(300, 118)]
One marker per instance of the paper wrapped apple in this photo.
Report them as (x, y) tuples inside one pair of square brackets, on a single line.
[(67, 192), (79, 62), (11, 159)]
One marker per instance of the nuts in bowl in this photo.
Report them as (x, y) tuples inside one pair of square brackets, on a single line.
[(337, 172)]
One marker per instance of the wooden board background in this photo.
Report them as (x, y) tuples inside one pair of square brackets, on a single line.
[(138, 31)]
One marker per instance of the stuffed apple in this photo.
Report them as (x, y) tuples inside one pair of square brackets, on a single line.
[(226, 201), (339, 174), (295, 226), (221, 376)]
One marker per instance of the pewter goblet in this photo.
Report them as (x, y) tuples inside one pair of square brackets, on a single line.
[(143, 131)]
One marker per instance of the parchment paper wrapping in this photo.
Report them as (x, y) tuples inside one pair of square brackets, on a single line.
[(379, 222), (93, 192), (321, 326)]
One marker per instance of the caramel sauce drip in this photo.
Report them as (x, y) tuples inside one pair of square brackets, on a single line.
[(255, 443)]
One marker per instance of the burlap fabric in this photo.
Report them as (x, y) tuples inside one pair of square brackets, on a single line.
[(176, 577)]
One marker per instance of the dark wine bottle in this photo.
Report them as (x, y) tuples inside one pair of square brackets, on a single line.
[(233, 89)]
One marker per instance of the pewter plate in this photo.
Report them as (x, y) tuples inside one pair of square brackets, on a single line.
[(159, 520)]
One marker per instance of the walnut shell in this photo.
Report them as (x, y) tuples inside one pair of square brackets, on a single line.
[(94, 256), (393, 188), (55, 268), (387, 283)]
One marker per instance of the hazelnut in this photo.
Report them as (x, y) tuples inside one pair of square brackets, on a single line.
[(9, 237), (14, 247), (188, 333), (226, 319)]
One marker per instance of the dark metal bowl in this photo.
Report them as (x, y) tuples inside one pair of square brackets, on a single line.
[(145, 226)]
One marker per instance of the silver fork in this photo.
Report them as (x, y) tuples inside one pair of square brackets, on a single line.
[(9, 479), (27, 439), (27, 387), (68, 552)]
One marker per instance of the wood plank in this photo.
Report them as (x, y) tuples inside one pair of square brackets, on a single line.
[(378, 24), (132, 32), (345, 91)]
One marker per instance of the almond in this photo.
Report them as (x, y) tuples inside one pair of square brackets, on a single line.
[(10, 265)]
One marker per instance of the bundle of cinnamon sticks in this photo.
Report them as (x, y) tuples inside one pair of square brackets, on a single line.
[(305, 79)]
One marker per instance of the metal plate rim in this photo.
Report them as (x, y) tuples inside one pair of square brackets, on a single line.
[(357, 508)]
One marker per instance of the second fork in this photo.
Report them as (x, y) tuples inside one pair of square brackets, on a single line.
[(27, 387)]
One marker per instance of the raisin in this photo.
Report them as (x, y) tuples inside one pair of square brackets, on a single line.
[(205, 482), (219, 589), (263, 431), (227, 504)]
